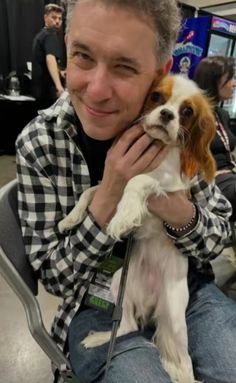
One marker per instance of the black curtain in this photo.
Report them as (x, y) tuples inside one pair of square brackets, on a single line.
[(4, 39), (186, 10), (20, 20)]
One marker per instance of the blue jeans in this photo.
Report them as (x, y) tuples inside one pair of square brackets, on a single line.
[(211, 321)]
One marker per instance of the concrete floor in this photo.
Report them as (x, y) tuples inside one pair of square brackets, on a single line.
[(21, 359)]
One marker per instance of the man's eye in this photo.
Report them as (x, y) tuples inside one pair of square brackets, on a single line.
[(157, 98), (126, 68), (187, 112), (83, 56), (82, 60)]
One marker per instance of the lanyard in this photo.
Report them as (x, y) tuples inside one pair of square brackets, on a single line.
[(224, 138)]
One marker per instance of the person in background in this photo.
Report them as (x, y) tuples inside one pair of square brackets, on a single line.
[(215, 75), (47, 74), (116, 49)]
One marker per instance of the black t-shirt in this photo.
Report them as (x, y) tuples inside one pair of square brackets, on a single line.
[(94, 152), (45, 42)]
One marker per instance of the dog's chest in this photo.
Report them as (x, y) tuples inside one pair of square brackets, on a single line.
[(150, 256)]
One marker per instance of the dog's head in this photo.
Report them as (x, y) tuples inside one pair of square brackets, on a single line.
[(178, 113)]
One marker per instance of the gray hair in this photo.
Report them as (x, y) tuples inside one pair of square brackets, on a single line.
[(164, 14)]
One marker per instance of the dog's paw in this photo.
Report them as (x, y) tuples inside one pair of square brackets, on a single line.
[(70, 221), (179, 373), (65, 224), (129, 216), (76, 216), (95, 339), (78, 213)]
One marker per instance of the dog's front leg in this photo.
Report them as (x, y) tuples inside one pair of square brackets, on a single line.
[(77, 214), (128, 323), (132, 208), (171, 335)]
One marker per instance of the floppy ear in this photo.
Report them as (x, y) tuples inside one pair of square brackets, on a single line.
[(161, 73), (196, 156)]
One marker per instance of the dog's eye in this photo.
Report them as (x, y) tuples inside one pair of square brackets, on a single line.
[(157, 98), (187, 112)]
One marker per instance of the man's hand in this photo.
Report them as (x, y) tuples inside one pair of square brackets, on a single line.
[(59, 90), (132, 153), (175, 209), (63, 74)]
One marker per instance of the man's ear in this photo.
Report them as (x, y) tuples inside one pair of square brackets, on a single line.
[(165, 69), (161, 73)]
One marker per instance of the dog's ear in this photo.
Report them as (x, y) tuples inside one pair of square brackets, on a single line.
[(196, 155), (189, 165), (159, 92), (161, 73)]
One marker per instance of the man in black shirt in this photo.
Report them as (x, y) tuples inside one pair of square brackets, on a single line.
[(47, 83)]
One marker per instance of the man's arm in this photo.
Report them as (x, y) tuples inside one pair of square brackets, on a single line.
[(65, 263), (206, 239), (54, 73)]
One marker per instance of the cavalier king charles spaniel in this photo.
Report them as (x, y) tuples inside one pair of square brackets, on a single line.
[(179, 114)]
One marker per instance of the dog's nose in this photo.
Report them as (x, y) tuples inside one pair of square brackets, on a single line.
[(166, 115)]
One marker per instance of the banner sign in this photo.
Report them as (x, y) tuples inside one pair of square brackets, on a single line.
[(223, 25), (191, 45)]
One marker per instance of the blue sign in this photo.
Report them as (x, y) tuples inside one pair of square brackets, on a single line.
[(191, 45)]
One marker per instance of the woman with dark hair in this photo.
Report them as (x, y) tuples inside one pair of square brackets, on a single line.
[(215, 75)]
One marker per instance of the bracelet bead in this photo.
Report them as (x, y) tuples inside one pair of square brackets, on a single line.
[(185, 227)]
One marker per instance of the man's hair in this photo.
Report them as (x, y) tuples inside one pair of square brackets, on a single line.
[(163, 14), (210, 71), (52, 8)]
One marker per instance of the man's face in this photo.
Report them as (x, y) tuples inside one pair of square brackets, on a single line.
[(53, 20), (111, 66)]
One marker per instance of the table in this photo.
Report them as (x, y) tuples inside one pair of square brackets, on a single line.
[(15, 112)]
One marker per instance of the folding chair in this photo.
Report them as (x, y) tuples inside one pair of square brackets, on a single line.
[(18, 273)]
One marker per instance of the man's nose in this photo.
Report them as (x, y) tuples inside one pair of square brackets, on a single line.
[(99, 85)]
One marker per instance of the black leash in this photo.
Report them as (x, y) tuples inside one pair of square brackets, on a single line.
[(117, 312)]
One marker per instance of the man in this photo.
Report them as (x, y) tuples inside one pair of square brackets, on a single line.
[(47, 82), (115, 51)]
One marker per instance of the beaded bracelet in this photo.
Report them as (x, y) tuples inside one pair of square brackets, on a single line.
[(185, 227)]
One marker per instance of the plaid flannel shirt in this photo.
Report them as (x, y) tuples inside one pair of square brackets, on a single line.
[(52, 174)]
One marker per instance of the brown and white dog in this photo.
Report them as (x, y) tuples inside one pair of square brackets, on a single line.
[(177, 113)]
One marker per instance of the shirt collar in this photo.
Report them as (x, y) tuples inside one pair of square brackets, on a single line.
[(63, 114)]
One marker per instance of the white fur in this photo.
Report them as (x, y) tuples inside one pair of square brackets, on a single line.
[(156, 286)]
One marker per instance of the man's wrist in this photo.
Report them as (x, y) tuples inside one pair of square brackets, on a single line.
[(184, 229)]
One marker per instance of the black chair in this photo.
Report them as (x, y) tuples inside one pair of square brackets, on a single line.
[(18, 273)]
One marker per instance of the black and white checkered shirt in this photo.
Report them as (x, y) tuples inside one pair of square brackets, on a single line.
[(52, 174)]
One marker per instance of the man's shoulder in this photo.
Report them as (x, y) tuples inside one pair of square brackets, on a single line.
[(44, 34), (31, 132), (48, 127)]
